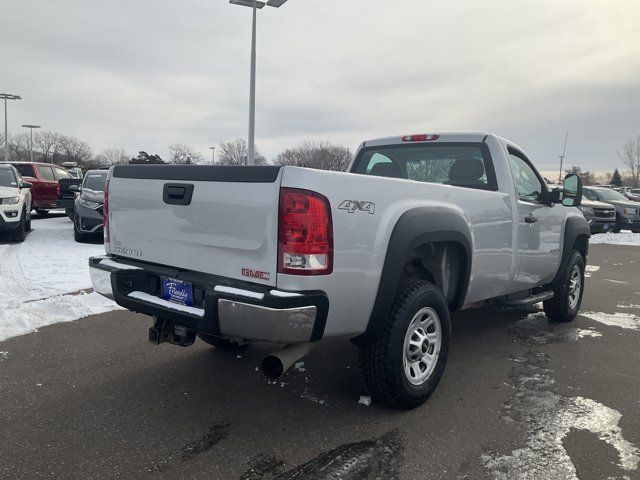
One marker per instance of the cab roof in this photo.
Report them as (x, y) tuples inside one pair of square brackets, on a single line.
[(432, 137)]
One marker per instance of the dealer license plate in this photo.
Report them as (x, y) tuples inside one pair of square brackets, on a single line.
[(177, 291)]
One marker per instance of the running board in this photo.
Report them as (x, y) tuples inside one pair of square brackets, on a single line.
[(523, 302)]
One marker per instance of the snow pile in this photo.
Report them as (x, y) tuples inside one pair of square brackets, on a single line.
[(28, 317), (622, 238), (43, 280), (622, 320)]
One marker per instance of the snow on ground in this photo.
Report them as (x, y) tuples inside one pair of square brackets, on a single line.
[(622, 238), (45, 280)]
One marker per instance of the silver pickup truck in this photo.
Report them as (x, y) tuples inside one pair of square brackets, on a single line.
[(421, 226)]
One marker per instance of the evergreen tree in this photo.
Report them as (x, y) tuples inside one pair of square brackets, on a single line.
[(616, 179)]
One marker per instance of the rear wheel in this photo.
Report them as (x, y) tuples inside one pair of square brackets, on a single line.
[(223, 343), (403, 362), (616, 229), (565, 304), (42, 212)]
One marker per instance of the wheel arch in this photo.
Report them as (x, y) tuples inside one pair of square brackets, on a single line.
[(416, 230), (576, 237)]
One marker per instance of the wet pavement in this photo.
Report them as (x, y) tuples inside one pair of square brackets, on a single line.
[(520, 399)]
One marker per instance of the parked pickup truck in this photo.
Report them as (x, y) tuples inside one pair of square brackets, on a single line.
[(421, 226)]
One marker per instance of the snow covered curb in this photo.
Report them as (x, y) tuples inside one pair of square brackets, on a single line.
[(28, 317), (43, 280), (622, 238)]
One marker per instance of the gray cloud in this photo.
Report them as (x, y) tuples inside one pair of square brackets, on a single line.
[(143, 75)]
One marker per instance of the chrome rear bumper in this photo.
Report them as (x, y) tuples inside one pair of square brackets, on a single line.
[(224, 307)]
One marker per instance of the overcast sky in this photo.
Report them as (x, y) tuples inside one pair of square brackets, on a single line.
[(143, 74)]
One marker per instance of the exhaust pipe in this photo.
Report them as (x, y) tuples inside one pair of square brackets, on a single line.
[(275, 365)]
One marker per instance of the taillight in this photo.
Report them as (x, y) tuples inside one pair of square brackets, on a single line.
[(58, 190), (105, 212), (420, 138), (305, 233)]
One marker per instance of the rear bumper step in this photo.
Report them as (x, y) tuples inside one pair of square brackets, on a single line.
[(222, 306)]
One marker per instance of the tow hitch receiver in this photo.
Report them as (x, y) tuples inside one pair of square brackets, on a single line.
[(166, 332)]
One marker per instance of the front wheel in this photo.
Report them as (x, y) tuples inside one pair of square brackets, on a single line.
[(404, 359), (42, 212), (616, 230), (19, 233), (79, 236), (568, 290)]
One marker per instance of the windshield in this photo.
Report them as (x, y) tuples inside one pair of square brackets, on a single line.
[(7, 178), (25, 170), (462, 165), (607, 194), (95, 181)]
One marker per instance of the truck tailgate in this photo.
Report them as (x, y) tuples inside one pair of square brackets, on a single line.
[(212, 219)]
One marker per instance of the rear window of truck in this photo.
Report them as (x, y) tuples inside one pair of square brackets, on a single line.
[(458, 164)]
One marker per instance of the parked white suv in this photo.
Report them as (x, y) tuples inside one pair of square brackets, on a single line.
[(15, 203), (420, 226)]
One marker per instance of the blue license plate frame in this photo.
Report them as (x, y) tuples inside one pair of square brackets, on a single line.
[(176, 291)]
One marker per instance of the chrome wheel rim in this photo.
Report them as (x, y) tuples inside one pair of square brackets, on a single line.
[(575, 287), (422, 344)]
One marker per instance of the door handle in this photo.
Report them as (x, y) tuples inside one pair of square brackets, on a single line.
[(177, 193), (531, 218)]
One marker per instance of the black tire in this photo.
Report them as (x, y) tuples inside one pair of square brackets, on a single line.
[(222, 343), (635, 231), (19, 234), (562, 307), (616, 229), (42, 212), (79, 236), (27, 225), (382, 354)]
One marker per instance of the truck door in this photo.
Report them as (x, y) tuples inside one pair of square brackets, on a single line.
[(539, 227)]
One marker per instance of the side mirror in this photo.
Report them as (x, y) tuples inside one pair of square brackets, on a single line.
[(24, 184), (74, 188), (572, 191)]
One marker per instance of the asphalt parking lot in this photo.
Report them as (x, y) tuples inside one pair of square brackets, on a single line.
[(520, 399)]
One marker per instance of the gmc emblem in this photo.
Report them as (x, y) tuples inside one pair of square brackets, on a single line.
[(251, 273)]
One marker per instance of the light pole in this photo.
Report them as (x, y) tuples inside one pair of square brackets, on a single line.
[(213, 154), (564, 150), (31, 127), (255, 5), (7, 96)]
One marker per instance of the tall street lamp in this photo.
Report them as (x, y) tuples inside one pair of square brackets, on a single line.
[(31, 127), (254, 4), (213, 154), (7, 96)]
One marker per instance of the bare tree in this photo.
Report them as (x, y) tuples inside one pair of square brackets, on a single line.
[(630, 156), (74, 149), (112, 156), (236, 152), (312, 154), (183, 154), (19, 146), (49, 145)]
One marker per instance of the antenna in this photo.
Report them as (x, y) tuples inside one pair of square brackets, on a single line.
[(564, 150)]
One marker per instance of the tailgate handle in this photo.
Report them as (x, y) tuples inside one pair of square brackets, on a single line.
[(177, 193)]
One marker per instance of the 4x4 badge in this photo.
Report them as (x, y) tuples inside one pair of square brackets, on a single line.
[(357, 205)]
